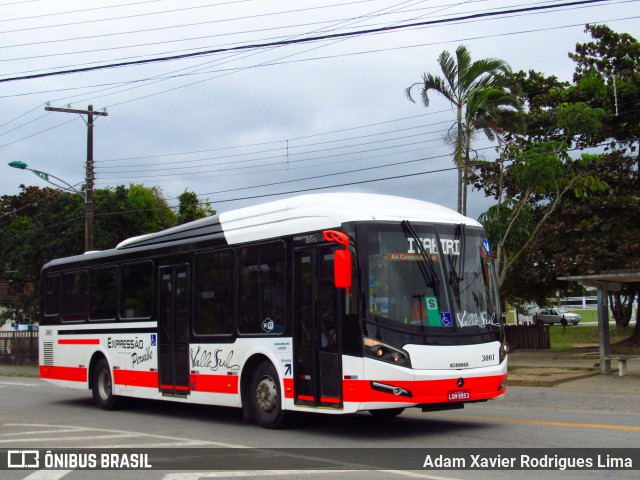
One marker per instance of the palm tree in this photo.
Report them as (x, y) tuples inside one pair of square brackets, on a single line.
[(478, 90)]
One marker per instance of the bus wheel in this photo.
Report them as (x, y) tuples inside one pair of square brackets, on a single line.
[(102, 386), (266, 398), (387, 412)]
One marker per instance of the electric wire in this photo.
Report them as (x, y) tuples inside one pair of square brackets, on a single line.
[(295, 41)]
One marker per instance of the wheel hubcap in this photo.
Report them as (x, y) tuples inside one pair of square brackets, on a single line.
[(104, 385), (266, 395)]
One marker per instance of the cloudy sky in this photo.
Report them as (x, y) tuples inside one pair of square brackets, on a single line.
[(240, 126)]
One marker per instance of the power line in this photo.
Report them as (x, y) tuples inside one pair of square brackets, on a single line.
[(341, 55), (300, 40)]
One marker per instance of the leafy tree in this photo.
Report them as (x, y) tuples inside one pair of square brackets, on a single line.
[(191, 208), (125, 212), (38, 225), (588, 221), (607, 76), (541, 177), (482, 100)]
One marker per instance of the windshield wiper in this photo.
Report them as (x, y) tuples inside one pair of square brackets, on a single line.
[(455, 278), (427, 268)]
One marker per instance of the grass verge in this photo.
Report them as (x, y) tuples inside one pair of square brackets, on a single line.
[(581, 336)]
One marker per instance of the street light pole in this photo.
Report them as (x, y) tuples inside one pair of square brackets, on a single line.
[(88, 242), (88, 198)]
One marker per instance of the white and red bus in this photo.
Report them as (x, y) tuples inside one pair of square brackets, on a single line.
[(335, 303)]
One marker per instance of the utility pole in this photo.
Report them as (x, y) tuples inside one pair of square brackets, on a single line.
[(89, 175)]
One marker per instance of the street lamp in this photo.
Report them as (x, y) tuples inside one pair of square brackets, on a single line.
[(88, 217)]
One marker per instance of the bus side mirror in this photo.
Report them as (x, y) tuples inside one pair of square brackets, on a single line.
[(341, 260), (342, 269)]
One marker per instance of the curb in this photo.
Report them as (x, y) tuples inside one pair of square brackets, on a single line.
[(537, 382)]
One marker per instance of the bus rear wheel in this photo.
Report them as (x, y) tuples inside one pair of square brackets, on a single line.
[(266, 397), (102, 386)]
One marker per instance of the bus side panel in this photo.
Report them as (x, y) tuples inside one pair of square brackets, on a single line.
[(216, 370), (76, 352)]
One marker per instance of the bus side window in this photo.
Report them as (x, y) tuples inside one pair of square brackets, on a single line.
[(214, 305), (52, 296), (75, 296), (136, 290), (103, 289), (261, 307)]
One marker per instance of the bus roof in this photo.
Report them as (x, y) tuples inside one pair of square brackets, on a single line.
[(304, 213), (300, 214)]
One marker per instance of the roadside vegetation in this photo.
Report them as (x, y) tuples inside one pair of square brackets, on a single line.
[(565, 177), (582, 337)]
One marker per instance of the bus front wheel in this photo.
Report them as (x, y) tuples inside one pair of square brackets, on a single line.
[(102, 386), (266, 397)]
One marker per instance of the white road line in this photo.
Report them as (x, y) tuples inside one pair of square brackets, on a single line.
[(192, 443), (40, 432), (17, 384), (247, 473), (47, 475), (66, 439), (179, 440), (293, 473), (342, 467)]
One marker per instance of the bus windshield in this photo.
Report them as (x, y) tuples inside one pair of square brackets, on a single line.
[(431, 278)]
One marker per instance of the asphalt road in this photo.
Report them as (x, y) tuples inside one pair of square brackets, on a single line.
[(36, 415)]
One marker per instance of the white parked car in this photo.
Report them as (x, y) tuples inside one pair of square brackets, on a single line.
[(555, 315)]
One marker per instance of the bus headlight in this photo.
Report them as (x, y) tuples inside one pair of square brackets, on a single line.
[(504, 349), (380, 351)]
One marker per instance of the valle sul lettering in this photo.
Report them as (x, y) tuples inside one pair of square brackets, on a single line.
[(212, 360)]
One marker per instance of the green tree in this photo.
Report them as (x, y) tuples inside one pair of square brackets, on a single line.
[(191, 208), (479, 93), (540, 178), (607, 75), (38, 225), (125, 212), (588, 228)]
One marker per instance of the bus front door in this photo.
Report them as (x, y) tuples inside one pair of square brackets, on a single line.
[(317, 347), (173, 330)]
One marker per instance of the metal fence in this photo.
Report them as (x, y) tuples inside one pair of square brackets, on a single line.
[(19, 348), (530, 337)]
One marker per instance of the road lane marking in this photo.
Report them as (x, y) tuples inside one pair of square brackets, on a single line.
[(47, 475), (66, 439), (552, 423), (293, 473), (18, 384)]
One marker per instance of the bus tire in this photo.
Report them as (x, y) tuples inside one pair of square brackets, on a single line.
[(102, 386), (265, 397), (387, 412)]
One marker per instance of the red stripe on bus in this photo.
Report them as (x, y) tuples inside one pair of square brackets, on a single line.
[(214, 383), (329, 400), (136, 378), (79, 341), (70, 374), (423, 391), (306, 398)]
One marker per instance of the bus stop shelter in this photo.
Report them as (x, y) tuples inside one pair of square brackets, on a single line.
[(605, 282)]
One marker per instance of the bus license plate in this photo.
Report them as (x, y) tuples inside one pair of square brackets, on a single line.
[(456, 395)]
